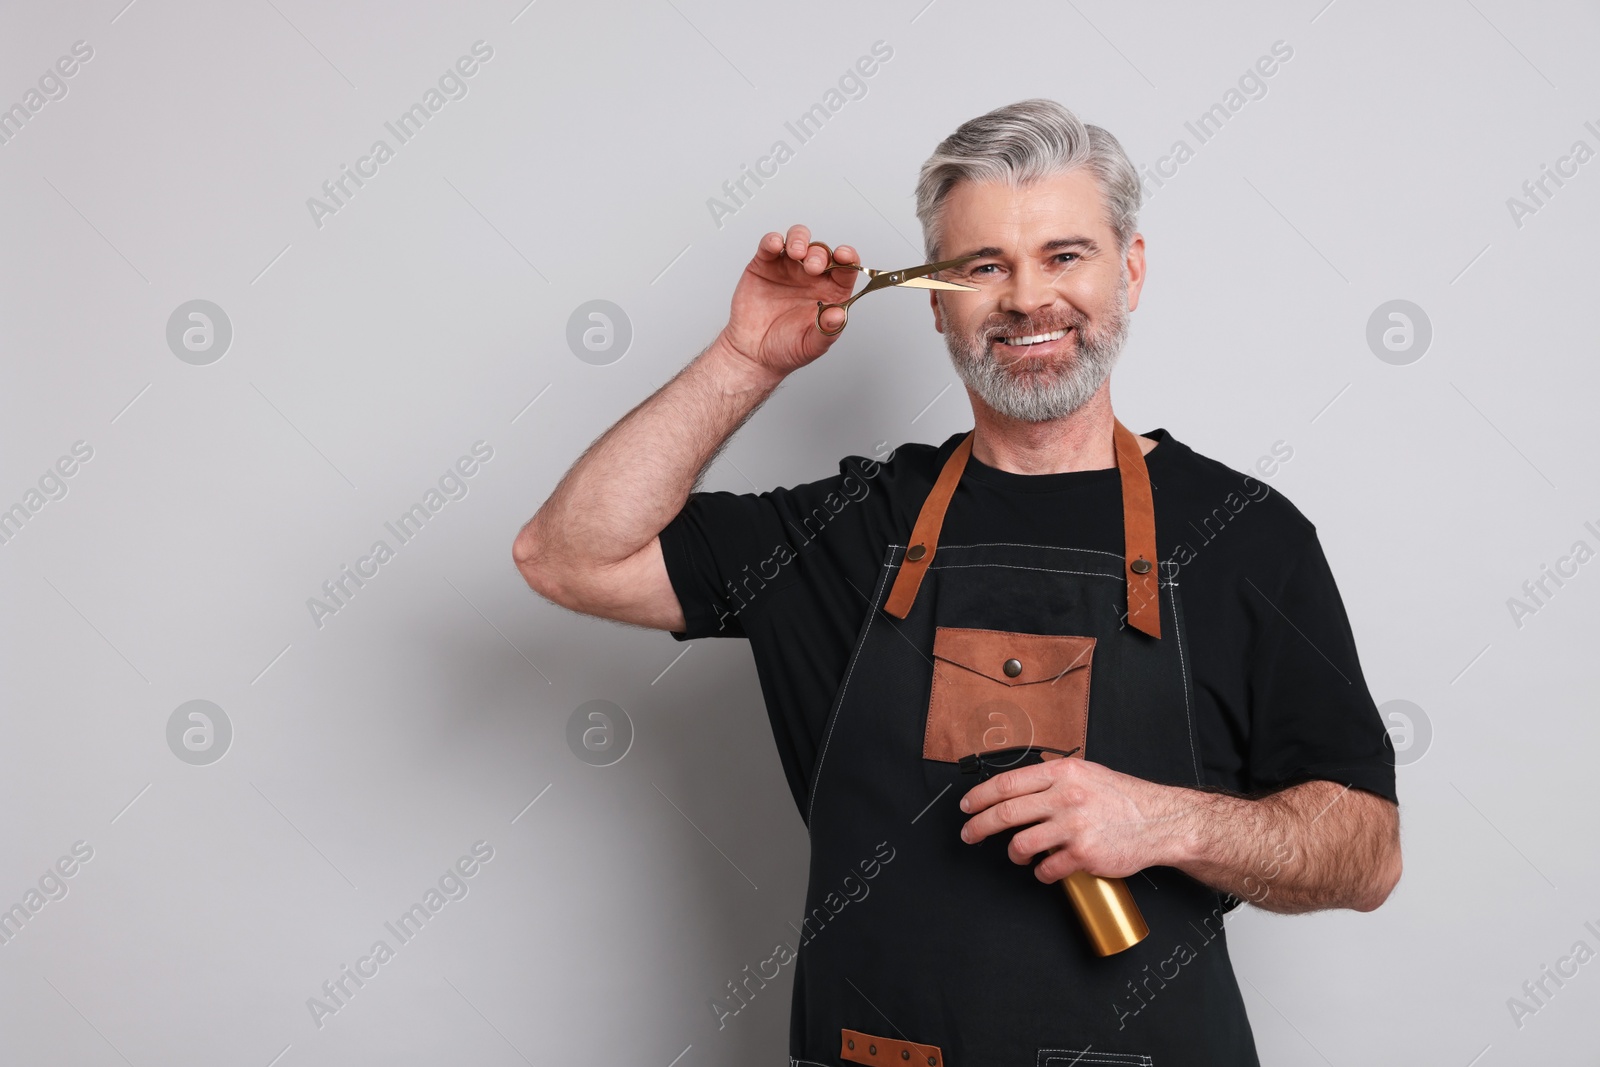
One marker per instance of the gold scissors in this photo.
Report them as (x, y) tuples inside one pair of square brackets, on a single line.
[(910, 277)]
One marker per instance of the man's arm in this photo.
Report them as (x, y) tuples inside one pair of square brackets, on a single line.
[(1311, 846), (594, 545)]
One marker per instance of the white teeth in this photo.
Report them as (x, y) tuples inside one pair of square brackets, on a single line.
[(1034, 339)]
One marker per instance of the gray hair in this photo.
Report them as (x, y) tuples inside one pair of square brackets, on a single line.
[(1019, 143)]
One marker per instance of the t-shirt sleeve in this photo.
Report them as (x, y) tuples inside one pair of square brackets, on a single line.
[(706, 545), (730, 556), (1312, 716)]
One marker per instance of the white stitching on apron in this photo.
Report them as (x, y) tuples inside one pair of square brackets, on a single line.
[(1134, 1059), (1183, 665), (816, 773), (1020, 544), (1164, 584), (1019, 567)]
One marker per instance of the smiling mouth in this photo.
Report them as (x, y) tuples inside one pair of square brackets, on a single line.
[(1028, 340)]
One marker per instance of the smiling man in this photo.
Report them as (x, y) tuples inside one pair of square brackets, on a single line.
[(1142, 651)]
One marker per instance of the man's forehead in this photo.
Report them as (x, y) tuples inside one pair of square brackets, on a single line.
[(1059, 212)]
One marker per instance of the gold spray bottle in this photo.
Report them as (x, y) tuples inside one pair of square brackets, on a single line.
[(1110, 916)]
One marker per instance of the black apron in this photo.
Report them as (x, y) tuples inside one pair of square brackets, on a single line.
[(920, 950)]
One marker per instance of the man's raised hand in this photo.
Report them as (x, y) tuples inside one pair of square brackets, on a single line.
[(773, 320)]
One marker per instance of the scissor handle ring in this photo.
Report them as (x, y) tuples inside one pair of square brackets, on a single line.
[(832, 263), (821, 307)]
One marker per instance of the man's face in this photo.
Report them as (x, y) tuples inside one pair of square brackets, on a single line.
[(1049, 264)]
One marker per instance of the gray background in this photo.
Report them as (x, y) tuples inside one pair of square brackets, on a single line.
[(431, 312)]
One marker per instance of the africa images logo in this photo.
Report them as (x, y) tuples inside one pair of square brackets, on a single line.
[(452, 85), (453, 485), (851, 85), (454, 884)]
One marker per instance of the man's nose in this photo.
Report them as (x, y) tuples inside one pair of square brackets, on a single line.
[(1028, 291)]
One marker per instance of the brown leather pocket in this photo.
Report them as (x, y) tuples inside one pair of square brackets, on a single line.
[(997, 689)]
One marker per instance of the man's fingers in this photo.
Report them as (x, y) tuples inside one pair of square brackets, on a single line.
[(1056, 866), (795, 243), (799, 246), (1017, 811), (816, 259), (770, 247), (1013, 783), (1038, 841)]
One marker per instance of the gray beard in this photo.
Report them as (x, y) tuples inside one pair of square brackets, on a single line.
[(1040, 396)]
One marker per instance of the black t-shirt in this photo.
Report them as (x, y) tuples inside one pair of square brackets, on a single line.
[(1280, 694)]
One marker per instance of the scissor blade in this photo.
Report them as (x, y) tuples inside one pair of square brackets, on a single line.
[(932, 283), (917, 276)]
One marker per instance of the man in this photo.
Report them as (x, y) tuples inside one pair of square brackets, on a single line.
[(1148, 646)]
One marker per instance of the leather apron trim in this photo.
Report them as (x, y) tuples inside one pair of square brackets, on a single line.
[(865, 1048), (1138, 532), (925, 535)]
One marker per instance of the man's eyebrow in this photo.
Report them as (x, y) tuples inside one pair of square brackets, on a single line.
[(1055, 245)]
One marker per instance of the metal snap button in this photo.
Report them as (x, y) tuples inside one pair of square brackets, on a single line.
[(873, 1049), (905, 1054), (1012, 667), (851, 1042), (916, 552), (1140, 566)]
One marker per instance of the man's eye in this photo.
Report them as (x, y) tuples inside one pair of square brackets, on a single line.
[(1069, 255), (980, 269)]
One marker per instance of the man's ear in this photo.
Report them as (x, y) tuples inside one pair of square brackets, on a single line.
[(938, 317), (1135, 266)]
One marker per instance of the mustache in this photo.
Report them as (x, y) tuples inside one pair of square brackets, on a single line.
[(1027, 327)]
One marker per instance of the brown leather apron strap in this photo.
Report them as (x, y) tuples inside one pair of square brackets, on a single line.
[(1138, 532), (925, 535), (858, 1047)]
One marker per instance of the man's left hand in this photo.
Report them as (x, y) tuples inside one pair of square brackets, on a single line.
[(1085, 815)]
